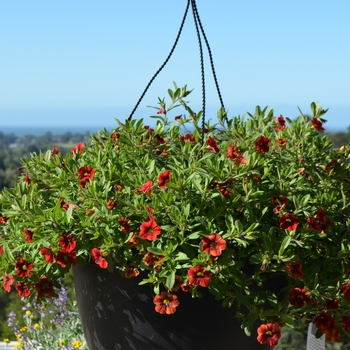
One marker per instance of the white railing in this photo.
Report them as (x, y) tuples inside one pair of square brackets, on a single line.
[(8, 346)]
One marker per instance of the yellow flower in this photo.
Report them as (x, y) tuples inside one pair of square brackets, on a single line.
[(28, 312), (23, 329), (6, 340), (37, 326), (62, 342), (77, 344), (19, 345), (19, 336)]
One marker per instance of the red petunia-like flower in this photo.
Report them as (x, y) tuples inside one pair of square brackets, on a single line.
[(152, 259), (213, 244), (346, 323), (22, 289), (8, 281), (199, 276), (295, 269), (48, 253), (163, 178), (28, 234), (98, 258), (262, 144), (68, 242), (282, 142), (280, 123), (213, 147), (269, 334), (1, 250), (78, 148), (125, 225), (65, 257), (298, 297), (23, 267), (319, 223), (235, 155), (289, 222), (187, 138), (44, 288), (85, 174), (323, 320), (149, 230), (279, 203), (317, 124), (346, 291), (166, 303), (332, 305), (147, 187)]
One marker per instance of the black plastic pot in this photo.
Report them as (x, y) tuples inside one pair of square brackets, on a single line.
[(117, 313)]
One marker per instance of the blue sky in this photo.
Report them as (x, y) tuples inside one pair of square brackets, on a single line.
[(85, 62)]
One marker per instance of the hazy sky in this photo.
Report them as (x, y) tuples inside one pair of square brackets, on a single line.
[(86, 62)]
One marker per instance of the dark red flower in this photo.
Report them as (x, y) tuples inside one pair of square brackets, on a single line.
[(323, 320), (125, 225), (262, 144), (3, 220), (199, 276), (317, 124), (269, 334), (1, 250), (65, 257), (319, 223), (8, 281), (281, 143), (279, 203), (48, 253), (147, 187), (152, 259), (346, 323), (346, 291), (295, 269), (166, 303), (85, 174), (78, 148), (23, 267), (44, 288), (213, 244), (298, 297), (280, 123), (161, 111), (332, 332), (149, 230), (213, 147), (131, 271), (64, 205), (98, 258), (68, 242), (235, 155), (27, 179), (312, 223), (225, 192), (332, 305), (187, 138), (163, 178), (110, 204), (28, 234), (289, 222), (22, 289)]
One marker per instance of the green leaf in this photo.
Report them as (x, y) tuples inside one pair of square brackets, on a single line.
[(69, 213), (284, 245), (170, 280), (249, 320)]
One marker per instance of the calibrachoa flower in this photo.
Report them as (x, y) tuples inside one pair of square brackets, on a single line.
[(346, 323), (85, 174), (213, 244), (152, 259), (213, 147), (295, 269), (68, 242), (65, 257), (44, 288), (298, 297), (28, 234), (279, 203), (8, 281), (280, 123), (164, 178), (317, 124), (78, 148), (147, 187), (166, 303), (269, 334), (149, 230), (346, 291), (262, 144), (98, 258), (22, 289), (235, 155), (187, 138), (199, 276), (23, 267), (289, 222), (48, 253)]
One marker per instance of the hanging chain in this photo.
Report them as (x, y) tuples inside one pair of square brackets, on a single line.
[(198, 25)]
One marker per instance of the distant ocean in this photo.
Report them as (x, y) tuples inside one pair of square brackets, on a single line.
[(55, 130)]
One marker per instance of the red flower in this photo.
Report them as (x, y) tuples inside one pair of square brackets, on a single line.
[(312, 223), (29, 234), (48, 253), (65, 257), (298, 297), (235, 155), (1, 250), (332, 333), (280, 123), (27, 179), (163, 178), (332, 305), (149, 230), (152, 259), (166, 303), (279, 203), (78, 148), (213, 147), (281, 143), (317, 124), (323, 320), (295, 269), (187, 138), (22, 289), (125, 225), (289, 222), (262, 144), (44, 288), (85, 174), (161, 111), (346, 291), (225, 192), (98, 258), (319, 223), (3, 220), (346, 323), (131, 271), (64, 205), (8, 281), (23, 268), (110, 204), (68, 242), (147, 187), (213, 244), (269, 334), (199, 276)]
